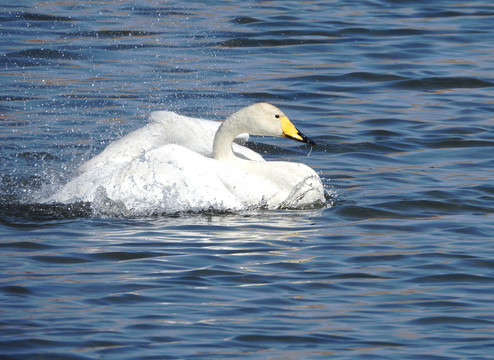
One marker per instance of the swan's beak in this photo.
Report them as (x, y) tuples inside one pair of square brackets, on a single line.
[(291, 132)]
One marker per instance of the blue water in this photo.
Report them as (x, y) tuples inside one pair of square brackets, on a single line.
[(397, 94)]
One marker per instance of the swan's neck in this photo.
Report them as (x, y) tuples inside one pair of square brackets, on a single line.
[(223, 141)]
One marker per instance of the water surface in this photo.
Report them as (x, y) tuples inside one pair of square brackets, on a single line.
[(399, 265)]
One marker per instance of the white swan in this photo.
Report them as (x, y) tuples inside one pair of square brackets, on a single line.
[(177, 163)]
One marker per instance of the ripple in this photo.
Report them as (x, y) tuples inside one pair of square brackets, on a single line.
[(125, 256), (450, 320), (44, 53), (159, 11), (40, 17), (21, 213), (249, 42), (360, 212), (258, 340), (110, 34), (245, 20), (25, 246), (37, 155), (60, 259), (440, 83), (352, 31), (454, 278), (450, 305), (16, 290)]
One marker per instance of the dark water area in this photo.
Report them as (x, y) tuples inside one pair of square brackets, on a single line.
[(398, 95)]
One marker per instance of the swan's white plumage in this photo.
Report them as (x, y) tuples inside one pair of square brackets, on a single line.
[(166, 127), (172, 165)]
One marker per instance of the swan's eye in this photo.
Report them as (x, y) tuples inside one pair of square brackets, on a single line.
[(277, 116)]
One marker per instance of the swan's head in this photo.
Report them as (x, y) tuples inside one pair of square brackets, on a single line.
[(267, 120)]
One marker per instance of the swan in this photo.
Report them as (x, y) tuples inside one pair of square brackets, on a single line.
[(178, 163)]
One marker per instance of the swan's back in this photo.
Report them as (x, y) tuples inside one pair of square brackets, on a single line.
[(165, 128)]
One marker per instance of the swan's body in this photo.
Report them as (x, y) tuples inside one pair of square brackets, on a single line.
[(176, 163)]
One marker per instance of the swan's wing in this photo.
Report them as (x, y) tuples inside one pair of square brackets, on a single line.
[(184, 128), (274, 184), (84, 186), (171, 179), (192, 133), (125, 149), (165, 127), (198, 134)]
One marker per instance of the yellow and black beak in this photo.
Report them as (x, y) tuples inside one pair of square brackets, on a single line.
[(291, 132)]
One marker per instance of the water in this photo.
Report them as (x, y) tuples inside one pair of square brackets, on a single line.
[(398, 96)]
